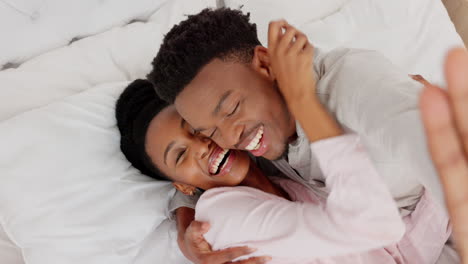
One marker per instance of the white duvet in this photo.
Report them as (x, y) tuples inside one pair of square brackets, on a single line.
[(67, 194)]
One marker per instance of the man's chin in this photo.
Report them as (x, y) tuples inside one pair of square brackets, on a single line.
[(276, 154)]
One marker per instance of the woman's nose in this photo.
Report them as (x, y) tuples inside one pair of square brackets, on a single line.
[(203, 146)]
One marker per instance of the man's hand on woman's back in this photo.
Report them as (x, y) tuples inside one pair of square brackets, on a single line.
[(195, 248)]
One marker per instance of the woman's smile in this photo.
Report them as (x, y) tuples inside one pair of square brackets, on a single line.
[(221, 161)]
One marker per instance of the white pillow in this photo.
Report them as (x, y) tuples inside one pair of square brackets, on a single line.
[(32, 27), (415, 34), (297, 12), (119, 54), (68, 195)]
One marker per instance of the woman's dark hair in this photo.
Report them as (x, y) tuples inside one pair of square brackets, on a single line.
[(222, 33), (135, 108)]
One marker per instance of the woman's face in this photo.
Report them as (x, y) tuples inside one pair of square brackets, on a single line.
[(191, 159)]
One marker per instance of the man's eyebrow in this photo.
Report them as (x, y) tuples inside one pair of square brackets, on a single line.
[(221, 101), (168, 148)]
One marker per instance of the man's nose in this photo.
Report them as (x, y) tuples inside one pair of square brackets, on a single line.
[(230, 135)]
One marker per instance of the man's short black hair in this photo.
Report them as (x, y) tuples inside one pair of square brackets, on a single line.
[(222, 33)]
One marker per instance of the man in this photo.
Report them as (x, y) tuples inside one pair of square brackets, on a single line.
[(230, 88), (445, 116)]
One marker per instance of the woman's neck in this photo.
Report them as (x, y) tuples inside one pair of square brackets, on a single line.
[(257, 179)]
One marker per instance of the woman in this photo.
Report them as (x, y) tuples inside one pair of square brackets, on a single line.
[(357, 223)]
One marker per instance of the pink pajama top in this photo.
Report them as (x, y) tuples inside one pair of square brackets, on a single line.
[(357, 223)]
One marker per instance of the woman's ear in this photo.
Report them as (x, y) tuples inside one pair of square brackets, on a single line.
[(185, 188), (261, 62)]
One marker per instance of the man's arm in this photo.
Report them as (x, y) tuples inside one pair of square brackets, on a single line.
[(184, 217), (194, 246)]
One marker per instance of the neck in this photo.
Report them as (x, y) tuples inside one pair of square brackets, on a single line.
[(292, 133), (257, 179)]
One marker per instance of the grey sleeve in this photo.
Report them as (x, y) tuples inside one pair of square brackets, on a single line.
[(371, 96), (181, 200)]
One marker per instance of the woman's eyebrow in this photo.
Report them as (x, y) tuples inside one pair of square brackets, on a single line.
[(168, 148)]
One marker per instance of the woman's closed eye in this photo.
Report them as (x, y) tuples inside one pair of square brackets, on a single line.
[(180, 155)]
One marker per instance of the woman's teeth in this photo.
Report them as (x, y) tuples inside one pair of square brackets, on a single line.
[(255, 143), (215, 165)]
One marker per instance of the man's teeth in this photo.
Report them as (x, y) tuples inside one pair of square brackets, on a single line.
[(255, 143), (214, 167)]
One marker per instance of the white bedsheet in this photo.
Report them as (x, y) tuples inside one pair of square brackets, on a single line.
[(66, 192)]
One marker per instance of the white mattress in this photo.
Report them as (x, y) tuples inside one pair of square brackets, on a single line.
[(67, 194)]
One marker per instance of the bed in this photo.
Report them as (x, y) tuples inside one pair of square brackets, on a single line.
[(67, 194)]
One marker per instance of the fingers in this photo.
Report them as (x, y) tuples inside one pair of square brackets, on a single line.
[(449, 158), (456, 72), (229, 254), (308, 50), (292, 38), (287, 39), (275, 29), (194, 234), (300, 43), (444, 143), (254, 260)]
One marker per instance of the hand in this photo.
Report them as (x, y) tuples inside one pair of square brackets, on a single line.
[(291, 57), (199, 251), (445, 116)]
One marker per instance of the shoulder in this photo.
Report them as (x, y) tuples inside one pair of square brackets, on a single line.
[(221, 195), (230, 202)]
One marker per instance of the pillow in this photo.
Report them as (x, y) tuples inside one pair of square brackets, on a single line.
[(415, 35), (119, 54), (68, 195), (297, 12), (42, 25)]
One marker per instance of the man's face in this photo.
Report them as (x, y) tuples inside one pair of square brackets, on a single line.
[(238, 106)]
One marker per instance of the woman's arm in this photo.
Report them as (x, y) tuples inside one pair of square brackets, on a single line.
[(291, 57), (358, 215)]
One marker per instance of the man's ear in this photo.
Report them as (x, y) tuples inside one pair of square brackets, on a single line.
[(261, 62), (184, 188)]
